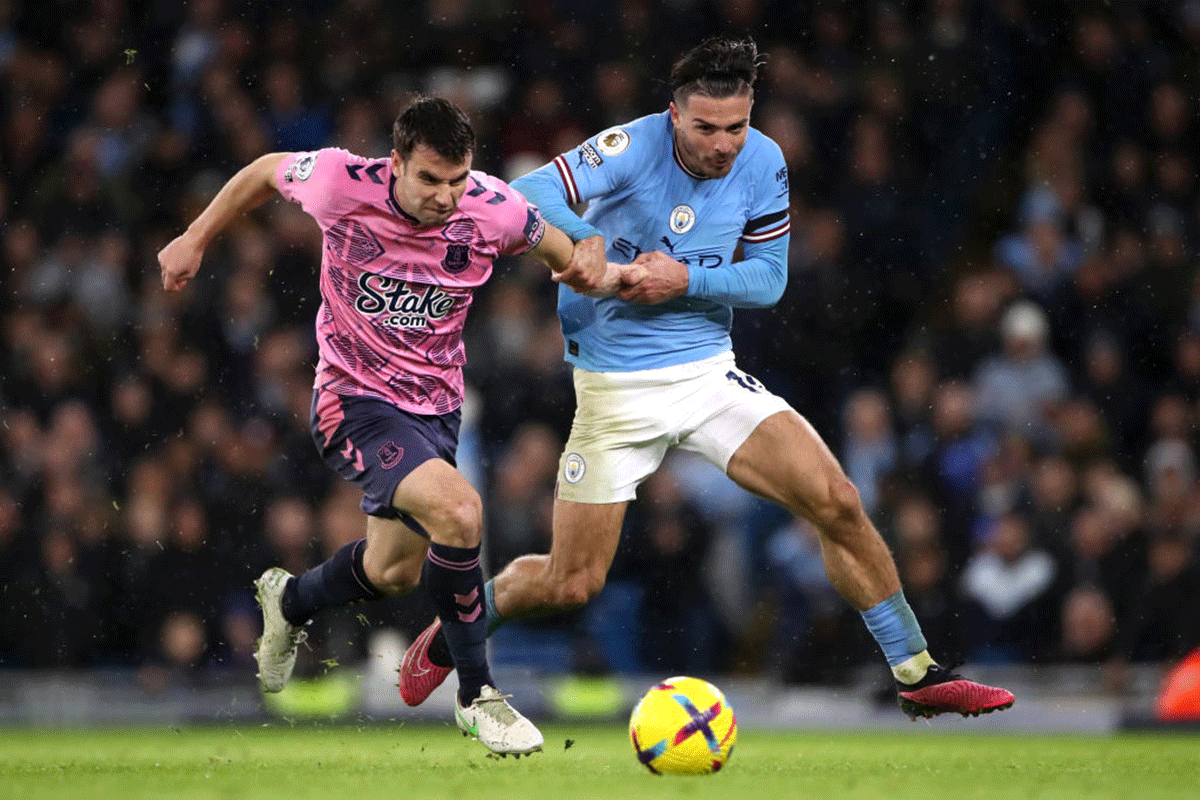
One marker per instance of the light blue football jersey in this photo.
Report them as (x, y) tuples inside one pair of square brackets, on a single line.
[(642, 199)]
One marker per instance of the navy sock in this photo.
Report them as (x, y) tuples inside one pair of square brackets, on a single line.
[(439, 652), (336, 582), (454, 580)]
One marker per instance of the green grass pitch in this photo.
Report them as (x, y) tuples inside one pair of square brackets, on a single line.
[(415, 762)]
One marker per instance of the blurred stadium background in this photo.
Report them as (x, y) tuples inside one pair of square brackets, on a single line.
[(993, 317)]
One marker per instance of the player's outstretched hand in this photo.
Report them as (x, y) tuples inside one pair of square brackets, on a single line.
[(660, 278), (179, 261)]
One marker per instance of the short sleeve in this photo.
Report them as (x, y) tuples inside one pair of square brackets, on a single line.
[(515, 224), (310, 180)]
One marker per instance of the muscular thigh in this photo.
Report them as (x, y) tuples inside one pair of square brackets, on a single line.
[(785, 460), (431, 498), (432, 488)]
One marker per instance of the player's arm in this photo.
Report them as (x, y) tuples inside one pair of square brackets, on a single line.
[(571, 178), (250, 187), (755, 282), (586, 270), (559, 253), (544, 188)]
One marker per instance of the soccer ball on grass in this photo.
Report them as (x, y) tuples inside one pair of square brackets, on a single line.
[(683, 726)]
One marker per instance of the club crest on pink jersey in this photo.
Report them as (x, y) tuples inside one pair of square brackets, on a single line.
[(458, 258)]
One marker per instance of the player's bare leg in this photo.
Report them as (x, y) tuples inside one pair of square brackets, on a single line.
[(583, 547), (449, 509), (584, 544), (394, 556), (786, 461), (391, 560)]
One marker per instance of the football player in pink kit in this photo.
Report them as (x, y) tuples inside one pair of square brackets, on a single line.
[(407, 241)]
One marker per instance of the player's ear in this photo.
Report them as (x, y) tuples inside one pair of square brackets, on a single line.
[(674, 114), (397, 163)]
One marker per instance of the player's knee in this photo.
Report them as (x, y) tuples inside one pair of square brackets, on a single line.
[(399, 578), (458, 522), (839, 514)]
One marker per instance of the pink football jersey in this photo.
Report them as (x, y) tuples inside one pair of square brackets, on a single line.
[(395, 294)]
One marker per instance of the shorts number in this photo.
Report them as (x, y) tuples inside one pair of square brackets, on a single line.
[(747, 382)]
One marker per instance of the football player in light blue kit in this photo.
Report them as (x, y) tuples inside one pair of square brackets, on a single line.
[(675, 194)]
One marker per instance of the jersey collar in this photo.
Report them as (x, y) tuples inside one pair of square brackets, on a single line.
[(394, 206), (679, 160)]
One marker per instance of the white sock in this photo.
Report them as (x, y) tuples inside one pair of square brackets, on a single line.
[(912, 670)]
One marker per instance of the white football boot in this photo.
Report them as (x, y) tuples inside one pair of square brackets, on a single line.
[(496, 725), (276, 654)]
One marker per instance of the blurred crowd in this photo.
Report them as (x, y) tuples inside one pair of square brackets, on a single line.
[(993, 317)]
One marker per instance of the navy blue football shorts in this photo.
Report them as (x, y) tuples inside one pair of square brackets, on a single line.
[(375, 445)]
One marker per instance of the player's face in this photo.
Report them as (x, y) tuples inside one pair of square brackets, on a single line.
[(428, 186), (711, 131)]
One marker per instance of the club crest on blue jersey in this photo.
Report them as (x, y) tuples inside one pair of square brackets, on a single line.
[(613, 142), (458, 258), (573, 468), (682, 218)]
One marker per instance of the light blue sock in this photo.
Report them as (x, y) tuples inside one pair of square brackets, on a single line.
[(494, 620), (894, 626)]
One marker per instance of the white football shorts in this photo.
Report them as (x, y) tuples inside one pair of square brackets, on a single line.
[(626, 421)]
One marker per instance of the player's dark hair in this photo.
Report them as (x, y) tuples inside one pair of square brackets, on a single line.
[(436, 123), (717, 68)]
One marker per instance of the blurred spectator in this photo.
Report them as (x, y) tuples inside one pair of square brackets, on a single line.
[(1119, 396), (971, 335), (1019, 388), (809, 636), (870, 450), (912, 384), (1040, 255), (180, 654), (1008, 585), (953, 470), (680, 629), (1054, 497), (294, 124), (53, 612), (519, 522), (1161, 624), (1088, 627), (1105, 554)]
